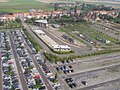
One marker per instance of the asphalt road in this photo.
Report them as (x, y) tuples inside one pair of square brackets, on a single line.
[(1, 83), (98, 85), (20, 72)]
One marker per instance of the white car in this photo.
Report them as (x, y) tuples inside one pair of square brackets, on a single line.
[(56, 85)]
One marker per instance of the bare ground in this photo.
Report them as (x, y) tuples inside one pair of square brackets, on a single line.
[(3, 1)]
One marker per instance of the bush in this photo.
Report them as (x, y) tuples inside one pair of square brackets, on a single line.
[(53, 58)]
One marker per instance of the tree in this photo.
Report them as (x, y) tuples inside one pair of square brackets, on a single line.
[(56, 6), (18, 20), (83, 7), (45, 61), (1, 23), (33, 19), (118, 15), (75, 9), (56, 75)]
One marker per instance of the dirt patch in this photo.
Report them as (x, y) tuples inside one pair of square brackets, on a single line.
[(52, 1), (3, 1), (45, 1)]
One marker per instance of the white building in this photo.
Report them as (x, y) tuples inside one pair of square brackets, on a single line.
[(29, 16), (55, 25), (40, 32), (61, 48), (42, 23)]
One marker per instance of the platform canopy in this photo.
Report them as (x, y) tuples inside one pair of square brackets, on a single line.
[(41, 21)]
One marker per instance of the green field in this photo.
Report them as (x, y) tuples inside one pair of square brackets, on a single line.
[(25, 5), (22, 5)]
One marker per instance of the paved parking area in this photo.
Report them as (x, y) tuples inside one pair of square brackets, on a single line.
[(97, 77), (94, 64), (109, 86), (30, 73), (93, 71), (11, 78), (90, 65)]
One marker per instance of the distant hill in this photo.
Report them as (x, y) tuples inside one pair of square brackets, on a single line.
[(110, 0)]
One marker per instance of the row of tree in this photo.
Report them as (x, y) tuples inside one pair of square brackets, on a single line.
[(110, 18)]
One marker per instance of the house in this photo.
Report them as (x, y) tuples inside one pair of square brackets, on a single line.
[(57, 13), (19, 14), (26, 14), (7, 17), (38, 15)]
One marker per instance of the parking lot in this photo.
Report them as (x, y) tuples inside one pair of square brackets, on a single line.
[(110, 86), (17, 48), (31, 75), (85, 65), (34, 69), (95, 77), (86, 73), (10, 74)]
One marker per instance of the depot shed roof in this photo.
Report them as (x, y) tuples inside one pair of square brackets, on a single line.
[(41, 21)]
